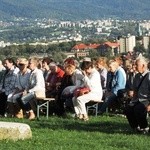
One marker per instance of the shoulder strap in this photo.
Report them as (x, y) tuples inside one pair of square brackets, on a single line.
[(142, 80)]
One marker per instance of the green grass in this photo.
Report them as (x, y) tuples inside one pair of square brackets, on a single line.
[(100, 133)]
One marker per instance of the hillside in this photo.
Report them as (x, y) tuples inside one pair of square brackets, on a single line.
[(75, 9)]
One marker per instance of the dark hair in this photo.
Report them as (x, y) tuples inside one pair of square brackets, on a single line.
[(47, 60), (10, 60), (86, 65)]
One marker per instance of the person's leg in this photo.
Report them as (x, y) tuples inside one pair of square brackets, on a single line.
[(18, 110), (27, 106), (3, 103), (130, 114), (75, 104), (109, 100), (141, 115), (82, 100)]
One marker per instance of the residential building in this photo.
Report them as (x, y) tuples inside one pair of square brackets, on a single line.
[(127, 44), (146, 41)]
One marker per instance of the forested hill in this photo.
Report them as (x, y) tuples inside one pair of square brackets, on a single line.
[(75, 9)]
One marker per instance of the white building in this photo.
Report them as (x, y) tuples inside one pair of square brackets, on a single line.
[(146, 41), (3, 44), (127, 44)]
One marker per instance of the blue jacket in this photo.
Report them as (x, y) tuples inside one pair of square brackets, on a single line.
[(118, 81)]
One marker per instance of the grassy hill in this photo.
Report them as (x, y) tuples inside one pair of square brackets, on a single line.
[(100, 133), (75, 9)]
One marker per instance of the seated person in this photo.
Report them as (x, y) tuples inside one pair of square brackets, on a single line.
[(45, 67), (21, 85), (70, 82), (53, 80), (36, 87), (118, 82), (136, 111), (92, 81), (7, 84)]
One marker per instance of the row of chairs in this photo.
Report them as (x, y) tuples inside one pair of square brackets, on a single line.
[(43, 104)]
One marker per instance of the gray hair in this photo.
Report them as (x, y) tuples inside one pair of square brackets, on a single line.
[(142, 59)]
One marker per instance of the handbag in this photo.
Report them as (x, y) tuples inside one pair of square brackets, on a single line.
[(81, 91)]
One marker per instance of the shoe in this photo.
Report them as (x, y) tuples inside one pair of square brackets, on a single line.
[(85, 118), (143, 130), (80, 116), (19, 115), (31, 115)]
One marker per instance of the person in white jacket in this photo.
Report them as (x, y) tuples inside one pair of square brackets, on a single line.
[(36, 87), (93, 82)]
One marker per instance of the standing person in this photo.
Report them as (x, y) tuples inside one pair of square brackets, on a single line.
[(136, 111), (8, 82), (36, 87), (92, 81), (118, 82)]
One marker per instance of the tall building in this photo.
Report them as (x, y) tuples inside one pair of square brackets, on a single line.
[(127, 44), (146, 41)]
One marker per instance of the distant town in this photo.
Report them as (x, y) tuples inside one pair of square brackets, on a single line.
[(119, 35)]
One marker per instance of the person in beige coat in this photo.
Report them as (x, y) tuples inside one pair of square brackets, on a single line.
[(36, 87)]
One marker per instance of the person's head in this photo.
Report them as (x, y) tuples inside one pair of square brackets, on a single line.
[(141, 64), (87, 66), (22, 64), (8, 63), (119, 60), (113, 65), (53, 67), (33, 63), (101, 62), (69, 69), (45, 62), (71, 61)]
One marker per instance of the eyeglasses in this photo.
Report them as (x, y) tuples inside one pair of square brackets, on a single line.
[(21, 64)]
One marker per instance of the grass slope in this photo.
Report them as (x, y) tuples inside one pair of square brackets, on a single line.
[(100, 133)]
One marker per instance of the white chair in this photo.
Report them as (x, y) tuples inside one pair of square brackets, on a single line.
[(43, 103), (93, 105)]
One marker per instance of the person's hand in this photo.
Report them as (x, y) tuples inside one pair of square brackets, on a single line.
[(24, 92), (130, 94), (148, 108)]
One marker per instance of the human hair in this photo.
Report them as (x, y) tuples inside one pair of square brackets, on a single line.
[(102, 61), (47, 60), (35, 60), (10, 60), (119, 60), (86, 65), (70, 67), (142, 59)]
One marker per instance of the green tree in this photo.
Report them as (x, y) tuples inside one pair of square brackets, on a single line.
[(139, 48)]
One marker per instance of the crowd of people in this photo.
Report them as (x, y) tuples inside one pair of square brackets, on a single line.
[(74, 84)]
